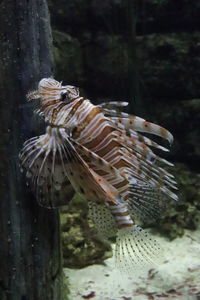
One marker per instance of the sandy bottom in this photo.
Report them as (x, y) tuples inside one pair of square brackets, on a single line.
[(177, 277)]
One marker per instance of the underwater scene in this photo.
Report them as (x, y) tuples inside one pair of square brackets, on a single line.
[(146, 53), (100, 147)]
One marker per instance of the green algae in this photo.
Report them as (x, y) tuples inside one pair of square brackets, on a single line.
[(81, 243)]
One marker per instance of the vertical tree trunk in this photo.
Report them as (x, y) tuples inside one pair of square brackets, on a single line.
[(30, 256)]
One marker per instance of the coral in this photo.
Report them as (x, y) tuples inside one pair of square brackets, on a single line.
[(82, 245)]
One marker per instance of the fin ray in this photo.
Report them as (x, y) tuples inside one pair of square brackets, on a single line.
[(103, 219), (135, 248)]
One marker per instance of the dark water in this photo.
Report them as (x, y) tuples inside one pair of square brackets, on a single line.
[(147, 53)]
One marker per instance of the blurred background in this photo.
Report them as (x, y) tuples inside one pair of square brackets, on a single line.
[(145, 52)]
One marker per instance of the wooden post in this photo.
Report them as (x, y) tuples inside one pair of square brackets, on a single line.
[(30, 252)]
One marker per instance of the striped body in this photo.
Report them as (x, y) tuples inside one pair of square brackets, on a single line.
[(100, 153), (87, 125)]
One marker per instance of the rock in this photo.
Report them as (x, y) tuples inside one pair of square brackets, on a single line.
[(182, 119), (69, 16), (93, 64), (167, 16), (68, 58), (170, 65), (153, 16), (82, 246)]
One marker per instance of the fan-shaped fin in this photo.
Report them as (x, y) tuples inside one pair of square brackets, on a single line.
[(144, 165), (146, 202), (51, 158), (136, 249), (103, 219), (44, 167)]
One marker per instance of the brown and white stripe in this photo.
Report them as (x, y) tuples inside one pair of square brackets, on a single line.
[(121, 215), (107, 137)]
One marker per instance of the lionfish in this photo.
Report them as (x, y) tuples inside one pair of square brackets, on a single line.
[(99, 152)]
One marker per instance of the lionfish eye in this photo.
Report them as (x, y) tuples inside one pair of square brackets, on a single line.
[(63, 96)]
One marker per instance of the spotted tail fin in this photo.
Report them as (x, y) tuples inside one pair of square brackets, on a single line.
[(135, 249)]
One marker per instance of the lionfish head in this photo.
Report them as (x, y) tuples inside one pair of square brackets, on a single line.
[(50, 90)]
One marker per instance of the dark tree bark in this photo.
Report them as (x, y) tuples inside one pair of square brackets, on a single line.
[(30, 256)]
